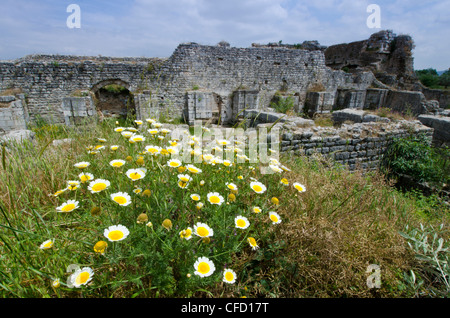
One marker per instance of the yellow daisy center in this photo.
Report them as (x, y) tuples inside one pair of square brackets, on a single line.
[(115, 235), (182, 184), (99, 187), (82, 278), (298, 187), (241, 223), (252, 241), (120, 200), (203, 268), (48, 244), (117, 164), (135, 176), (69, 207), (202, 231), (274, 218), (214, 199), (229, 276), (257, 188), (174, 164)]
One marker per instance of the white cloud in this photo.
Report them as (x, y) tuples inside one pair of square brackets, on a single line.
[(154, 28)]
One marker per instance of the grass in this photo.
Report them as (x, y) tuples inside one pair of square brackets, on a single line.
[(393, 115), (327, 238)]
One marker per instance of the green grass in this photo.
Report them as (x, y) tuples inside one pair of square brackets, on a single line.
[(328, 236)]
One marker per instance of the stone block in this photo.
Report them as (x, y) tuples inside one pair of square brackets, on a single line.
[(354, 115), (440, 124)]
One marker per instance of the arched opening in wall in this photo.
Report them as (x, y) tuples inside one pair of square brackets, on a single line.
[(113, 99)]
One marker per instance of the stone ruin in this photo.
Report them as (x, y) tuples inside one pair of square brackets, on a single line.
[(227, 86)]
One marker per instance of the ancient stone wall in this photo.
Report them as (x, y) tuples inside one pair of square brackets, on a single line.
[(13, 113), (359, 145), (386, 54), (163, 83), (218, 83), (46, 80)]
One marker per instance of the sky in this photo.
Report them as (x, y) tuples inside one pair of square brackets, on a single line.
[(154, 28)]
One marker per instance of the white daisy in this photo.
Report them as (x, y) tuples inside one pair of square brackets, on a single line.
[(81, 277), (46, 245), (258, 187), (274, 217), (82, 164), (241, 222), (215, 198), (121, 198), (116, 233), (98, 185), (68, 206), (300, 187), (137, 138), (174, 163), (203, 230), (85, 176), (186, 234), (193, 169), (204, 267), (252, 243), (229, 276), (135, 174), (117, 163)]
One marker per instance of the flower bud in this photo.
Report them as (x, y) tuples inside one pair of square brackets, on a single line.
[(167, 224)]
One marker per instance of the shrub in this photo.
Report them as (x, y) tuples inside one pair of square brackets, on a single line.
[(415, 157), (282, 104)]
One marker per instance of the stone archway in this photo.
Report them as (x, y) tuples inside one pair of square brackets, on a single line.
[(112, 98)]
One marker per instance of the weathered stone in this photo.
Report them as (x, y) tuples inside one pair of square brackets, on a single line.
[(17, 136), (440, 124), (354, 115), (7, 99)]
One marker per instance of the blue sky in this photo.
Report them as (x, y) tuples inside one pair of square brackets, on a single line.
[(154, 28)]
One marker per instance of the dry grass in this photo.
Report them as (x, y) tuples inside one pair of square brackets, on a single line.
[(11, 91), (343, 223), (393, 115)]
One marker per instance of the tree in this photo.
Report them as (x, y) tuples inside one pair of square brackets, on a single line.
[(444, 79), (428, 77)]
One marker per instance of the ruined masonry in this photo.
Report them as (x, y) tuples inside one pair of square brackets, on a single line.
[(221, 84)]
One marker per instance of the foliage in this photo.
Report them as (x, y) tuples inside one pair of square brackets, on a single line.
[(415, 157), (432, 251), (282, 104), (430, 78), (444, 79), (115, 89)]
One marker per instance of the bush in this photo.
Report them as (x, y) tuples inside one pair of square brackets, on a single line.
[(282, 104), (415, 157)]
